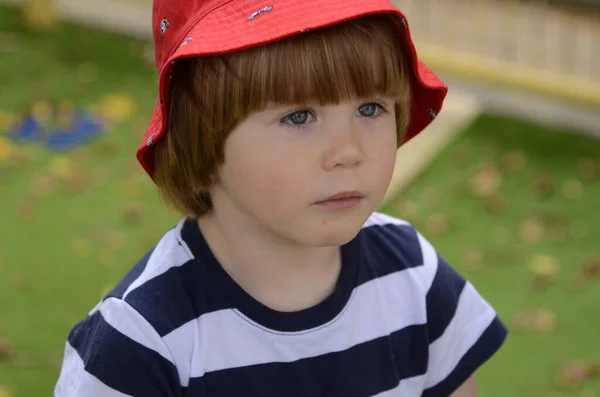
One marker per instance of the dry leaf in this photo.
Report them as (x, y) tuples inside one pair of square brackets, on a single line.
[(459, 155), (591, 268), (133, 213), (5, 391), (430, 197), (43, 186), (471, 259), (572, 189), (80, 248), (522, 321), (408, 211), (544, 270), (116, 240), (62, 167), (6, 351), (543, 185), (495, 203), (25, 210), (77, 183), (438, 225), (587, 169), (7, 149), (545, 320), (573, 373), (531, 230), (485, 182), (515, 161), (20, 283)]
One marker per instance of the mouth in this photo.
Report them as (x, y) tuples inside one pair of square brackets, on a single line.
[(342, 200)]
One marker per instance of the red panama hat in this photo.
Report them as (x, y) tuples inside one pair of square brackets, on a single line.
[(192, 28)]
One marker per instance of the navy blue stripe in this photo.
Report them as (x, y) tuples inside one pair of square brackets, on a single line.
[(387, 249), (130, 277), (442, 298), (122, 363), (363, 370), (488, 344), (176, 297)]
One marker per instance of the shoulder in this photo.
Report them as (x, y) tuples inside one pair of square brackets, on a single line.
[(390, 244)]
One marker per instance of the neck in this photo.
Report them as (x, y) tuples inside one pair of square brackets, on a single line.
[(279, 273)]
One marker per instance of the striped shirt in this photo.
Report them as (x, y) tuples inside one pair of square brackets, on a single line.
[(401, 322)]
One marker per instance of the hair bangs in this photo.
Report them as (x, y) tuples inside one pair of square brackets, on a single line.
[(361, 58)]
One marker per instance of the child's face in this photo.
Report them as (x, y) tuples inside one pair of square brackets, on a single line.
[(282, 162)]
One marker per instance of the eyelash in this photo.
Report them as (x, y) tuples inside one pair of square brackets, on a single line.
[(283, 120)]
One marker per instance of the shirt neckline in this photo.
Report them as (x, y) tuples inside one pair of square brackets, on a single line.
[(239, 299)]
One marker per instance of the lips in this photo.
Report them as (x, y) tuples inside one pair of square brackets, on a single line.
[(344, 196), (342, 200)]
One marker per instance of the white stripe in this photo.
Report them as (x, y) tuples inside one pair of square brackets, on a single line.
[(75, 381), (133, 325), (473, 316), (170, 252), (430, 261), (406, 388), (376, 308), (380, 219)]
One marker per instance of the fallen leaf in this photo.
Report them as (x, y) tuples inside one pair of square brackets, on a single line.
[(430, 197), (485, 182), (572, 373), (5, 391), (133, 213), (531, 230), (545, 320), (471, 259), (80, 248), (408, 210), (459, 156), (587, 169), (515, 161), (20, 283), (62, 167), (6, 351), (522, 321), (572, 189), (544, 270), (438, 225), (7, 149), (543, 185), (116, 240), (591, 268), (77, 183), (43, 186), (25, 210), (118, 107), (495, 203)]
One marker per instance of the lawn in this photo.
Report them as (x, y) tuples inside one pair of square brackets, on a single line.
[(509, 203)]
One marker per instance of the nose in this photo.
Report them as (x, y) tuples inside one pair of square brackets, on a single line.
[(344, 147)]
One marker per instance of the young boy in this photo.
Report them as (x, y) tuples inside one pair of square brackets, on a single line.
[(275, 135)]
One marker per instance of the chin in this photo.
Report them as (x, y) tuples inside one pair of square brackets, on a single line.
[(334, 232)]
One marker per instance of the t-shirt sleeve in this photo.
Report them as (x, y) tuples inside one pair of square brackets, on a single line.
[(464, 330), (115, 352)]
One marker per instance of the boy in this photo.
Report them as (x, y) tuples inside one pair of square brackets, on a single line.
[(275, 135)]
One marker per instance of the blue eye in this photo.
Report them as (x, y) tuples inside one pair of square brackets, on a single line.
[(370, 109), (297, 118)]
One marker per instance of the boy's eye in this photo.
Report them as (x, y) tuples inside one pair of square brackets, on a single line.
[(298, 118), (369, 109)]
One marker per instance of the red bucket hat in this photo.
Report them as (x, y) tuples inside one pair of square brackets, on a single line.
[(193, 28)]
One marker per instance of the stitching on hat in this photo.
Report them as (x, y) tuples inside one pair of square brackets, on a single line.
[(252, 16), (164, 25), (187, 41), (403, 22)]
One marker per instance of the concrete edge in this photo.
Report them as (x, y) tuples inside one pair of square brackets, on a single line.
[(413, 158)]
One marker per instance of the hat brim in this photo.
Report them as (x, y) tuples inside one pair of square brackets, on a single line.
[(247, 26)]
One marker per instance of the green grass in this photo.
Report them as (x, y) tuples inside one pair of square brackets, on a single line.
[(47, 284)]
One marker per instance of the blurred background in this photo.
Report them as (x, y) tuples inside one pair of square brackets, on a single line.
[(506, 183)]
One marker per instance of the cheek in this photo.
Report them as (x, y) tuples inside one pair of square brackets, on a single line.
[(268, 180)]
